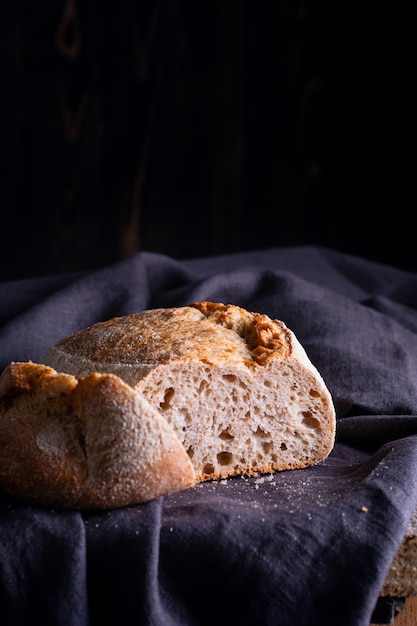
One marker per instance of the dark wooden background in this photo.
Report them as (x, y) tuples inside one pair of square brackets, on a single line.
[(196, 128)]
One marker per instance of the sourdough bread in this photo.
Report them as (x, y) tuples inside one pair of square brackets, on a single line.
[(236, 387), (88, 443)]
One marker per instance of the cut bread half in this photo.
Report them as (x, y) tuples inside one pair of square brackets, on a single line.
[(236, 387)]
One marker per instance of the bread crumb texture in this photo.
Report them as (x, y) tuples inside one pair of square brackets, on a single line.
[(152, 402)]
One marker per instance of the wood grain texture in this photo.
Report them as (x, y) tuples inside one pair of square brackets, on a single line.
[(127, 126), (401, 580), (408, 616)]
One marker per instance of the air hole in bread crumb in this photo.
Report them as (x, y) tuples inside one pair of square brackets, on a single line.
[(283, 446), (231, 378), (164, 405), (224, 458), (260, 432), (208, 468), (267, 446), (314, 393), (190, 452), (225, 435), (309, 420)]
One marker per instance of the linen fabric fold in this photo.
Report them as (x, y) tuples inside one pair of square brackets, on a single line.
[(303, 547)]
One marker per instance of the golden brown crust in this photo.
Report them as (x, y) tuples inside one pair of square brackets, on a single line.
[(265, 338), (210, 332), (88, 443)]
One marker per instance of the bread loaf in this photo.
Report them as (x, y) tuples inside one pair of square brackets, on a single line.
[(88, 443), (236, 387)]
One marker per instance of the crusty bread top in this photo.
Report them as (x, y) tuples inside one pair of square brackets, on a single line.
[(209, 332)]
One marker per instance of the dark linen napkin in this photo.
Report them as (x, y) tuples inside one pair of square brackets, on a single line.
[(297, 548)]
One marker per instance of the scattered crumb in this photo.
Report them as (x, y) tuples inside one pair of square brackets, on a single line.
[(261, 480)]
